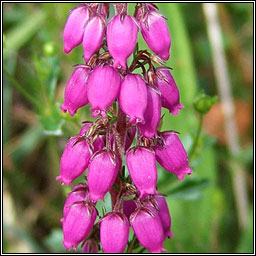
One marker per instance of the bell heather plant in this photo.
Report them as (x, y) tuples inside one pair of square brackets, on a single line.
[(127, 107)]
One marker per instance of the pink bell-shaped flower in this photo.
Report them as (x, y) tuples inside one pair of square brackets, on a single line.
[(78, 193), (164, 214), (114, 232), (156, 34), (170, 96), (75, 95), (122, 32), (90, 246), (133, 97), (74, 160), (74, 28), (172, 156), (93, 35), (148, 228), (103, 88), (102, 172), (141, 163), (78, 224), (152, 115)]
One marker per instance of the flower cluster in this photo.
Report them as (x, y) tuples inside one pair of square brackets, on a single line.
[(127, 107)]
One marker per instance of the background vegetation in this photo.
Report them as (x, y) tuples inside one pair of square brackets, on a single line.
[(204, 206)]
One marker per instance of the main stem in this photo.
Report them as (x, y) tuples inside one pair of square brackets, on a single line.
[(119, 140), (120, 130)]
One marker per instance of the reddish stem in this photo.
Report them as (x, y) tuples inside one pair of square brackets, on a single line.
[(119, 140), (120, 8)]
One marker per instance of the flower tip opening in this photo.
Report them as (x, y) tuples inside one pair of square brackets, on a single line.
[(98, 112), (118, 64), (169, 234), (68, 245), (96, 198), (63, 108), (67, 49), (165, 56)]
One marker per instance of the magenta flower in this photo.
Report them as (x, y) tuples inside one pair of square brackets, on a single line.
[(78, 224), (78, 193), (152, 114), (129, 207), (74, 160), (141, 163), (114, 232), (156, 34), (133, 98), (94, 32), (76, 91), (148, 229), (74, 28), (103, 88), (102, 172), (164, 214), (90, 246), (170, 96), (172, 155), (122, 31)]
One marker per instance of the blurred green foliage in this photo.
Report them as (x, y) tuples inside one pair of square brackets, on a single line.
[(204, 217)]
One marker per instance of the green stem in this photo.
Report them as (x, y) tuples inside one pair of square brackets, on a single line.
[(21, 90), (195, 144), (130, 248)]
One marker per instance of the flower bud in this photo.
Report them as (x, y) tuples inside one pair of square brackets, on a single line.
[(170, 96), (122, 32), (78, 224), (129, 206), (74, 160), (114, 232), (141, 163), (172, 155), (75, 95), (133, 98), (93, 35), (74, 28), (152, 115), (203, 102), (164, 214), (156, 34), (103, 88), (102, 172), (90, 246), (148, 229), (78, 193)]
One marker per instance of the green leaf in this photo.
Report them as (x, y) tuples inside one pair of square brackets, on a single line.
[(51, 120), (48, 70), (21, 34), (51, 80), (245, 244), (189, 189), (27, 143), (128, 198)]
